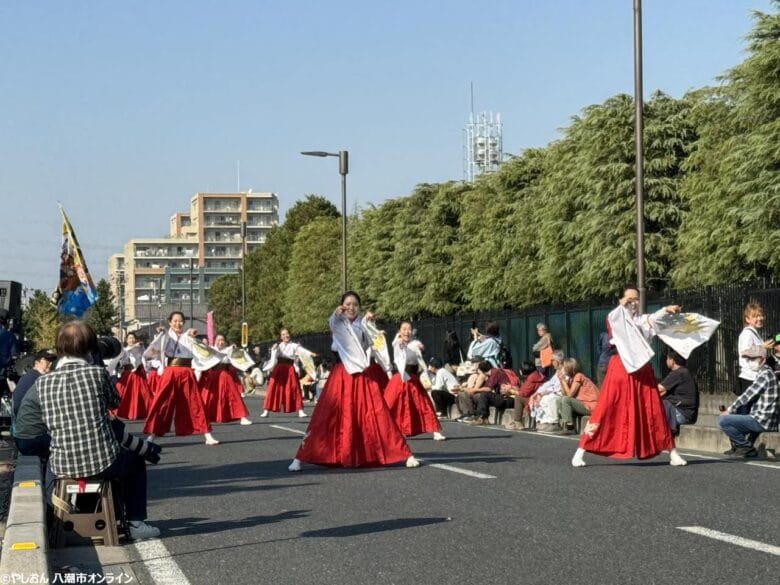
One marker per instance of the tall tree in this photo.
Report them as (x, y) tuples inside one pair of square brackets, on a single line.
[(225, 301), (41, 321), (103, 315), (733, 182)]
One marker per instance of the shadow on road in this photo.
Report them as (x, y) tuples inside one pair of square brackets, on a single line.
[(371, 527)]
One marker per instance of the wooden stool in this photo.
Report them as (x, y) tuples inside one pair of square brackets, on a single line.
[(86, 508)]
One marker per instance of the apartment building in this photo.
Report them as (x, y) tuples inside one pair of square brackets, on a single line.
[(153, 276)]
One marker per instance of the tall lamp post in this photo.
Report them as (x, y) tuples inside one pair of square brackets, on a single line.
[(343, 157), (192, 309), (639, 155), (243, 271)]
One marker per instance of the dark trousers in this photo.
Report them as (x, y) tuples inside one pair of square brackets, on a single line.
[(745, 408), (484, 400), (442, 399), (39, 446), (128, 471)]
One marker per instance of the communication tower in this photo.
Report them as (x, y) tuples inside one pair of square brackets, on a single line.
[(483, 144)]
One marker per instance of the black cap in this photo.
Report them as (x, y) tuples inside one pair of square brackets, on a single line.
[(435, 362), (45, 354)]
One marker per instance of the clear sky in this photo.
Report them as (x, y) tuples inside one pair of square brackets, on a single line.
[(124, 110)]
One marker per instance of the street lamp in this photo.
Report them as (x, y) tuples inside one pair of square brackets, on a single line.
[(243, 271), (192, 309), (639, 155), (343, 157)]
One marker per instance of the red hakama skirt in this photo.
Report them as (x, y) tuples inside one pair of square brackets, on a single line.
[(351, 425), (630, 415), (410, 406), (178, 400), (284, 390), (221, 393), (153, 380), (135, 393)]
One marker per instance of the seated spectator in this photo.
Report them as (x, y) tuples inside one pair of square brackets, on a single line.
[(466, 401), (606, 350), (452, 352), (762, 396), (532, 378), (444, 389), (544, 402), (579, 395), (493, 391), (41, 365), (30, 432), (75, 399), (679, 393)]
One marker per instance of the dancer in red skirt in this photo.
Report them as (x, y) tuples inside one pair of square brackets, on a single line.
[(406, 398), (131, 384), (178, 396), (221, 389), (284, 389), (351, 425), (629, 418)]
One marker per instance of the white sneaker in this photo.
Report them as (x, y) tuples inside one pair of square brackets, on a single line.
[(141, 530), (295, 465), (579, 458), (412, 462), (439, 437), (675, 459), (210, 440), (302, 414), (265, 414), (245, 421)]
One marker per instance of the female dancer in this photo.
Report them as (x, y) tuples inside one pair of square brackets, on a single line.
[(351, 426), (629, 418), (406, 398), (131, 384), (284, 389), (178, 389), (221, 389)]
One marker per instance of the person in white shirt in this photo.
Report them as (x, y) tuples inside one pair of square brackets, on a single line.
[(444, 389), (284, 389)]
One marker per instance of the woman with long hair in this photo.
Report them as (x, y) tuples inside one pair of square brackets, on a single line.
[(405, 395), (221, 389), (131, 383), (351, 425), (284, 388), (178, 397)]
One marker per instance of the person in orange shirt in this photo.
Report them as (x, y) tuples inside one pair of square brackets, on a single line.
[(579, 395)]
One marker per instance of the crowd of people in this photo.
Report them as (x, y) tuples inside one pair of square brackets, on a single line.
[(68, 407)]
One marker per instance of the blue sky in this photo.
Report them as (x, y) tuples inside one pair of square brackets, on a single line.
[(123, 111)]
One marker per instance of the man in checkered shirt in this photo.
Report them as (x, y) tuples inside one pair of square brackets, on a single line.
[(75, 399), (762, 397)]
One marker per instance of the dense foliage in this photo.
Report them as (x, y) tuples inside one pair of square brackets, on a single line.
[(554, 224)]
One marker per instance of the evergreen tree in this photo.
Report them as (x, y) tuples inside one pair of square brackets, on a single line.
[(41, 320), (103, 315)]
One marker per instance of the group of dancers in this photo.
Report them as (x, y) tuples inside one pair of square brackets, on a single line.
[(365, 412)]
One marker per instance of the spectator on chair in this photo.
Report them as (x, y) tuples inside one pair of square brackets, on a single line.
[(75, 399), (679, 393), (465, 399), (532, 378), (485, 346), (41, 365), (444, 389), (579, 395), (544, 402), (762, 398), (492, 391), (30, 433)]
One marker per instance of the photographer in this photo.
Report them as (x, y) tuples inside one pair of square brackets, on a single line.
[(75, 400), (8, 351)]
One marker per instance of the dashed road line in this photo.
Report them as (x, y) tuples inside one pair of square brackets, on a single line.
[(732, 539), (461, 471), (159, 562), (288, 429)]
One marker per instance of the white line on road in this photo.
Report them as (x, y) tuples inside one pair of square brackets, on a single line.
[(463, 471), (160, 564), (281, 428), (753, 463), (731, 539)]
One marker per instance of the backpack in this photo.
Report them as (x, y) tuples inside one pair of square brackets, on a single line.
[(504, 357)]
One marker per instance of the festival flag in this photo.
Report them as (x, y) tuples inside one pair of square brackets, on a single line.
[(75, 292), (684, 332)]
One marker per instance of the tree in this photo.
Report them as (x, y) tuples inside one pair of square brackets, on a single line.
[(103, 314), (225, 302), (732, 177), (41, 321)]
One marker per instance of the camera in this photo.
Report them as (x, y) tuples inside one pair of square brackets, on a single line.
[(108, 347), (145, 449)]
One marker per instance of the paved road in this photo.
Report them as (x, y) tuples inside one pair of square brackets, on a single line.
[(234, 514)]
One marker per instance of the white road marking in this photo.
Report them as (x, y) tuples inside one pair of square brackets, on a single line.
[(753, 463), (731, 539), (159, 562), (463, 471), (281, 428)]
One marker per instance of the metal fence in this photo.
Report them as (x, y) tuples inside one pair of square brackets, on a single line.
[(575, 329)]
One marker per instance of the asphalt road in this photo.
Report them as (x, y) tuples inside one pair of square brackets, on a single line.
[(234, 514)]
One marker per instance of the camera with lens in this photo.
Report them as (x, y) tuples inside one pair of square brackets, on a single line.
[(108, 347), (145, 449)]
